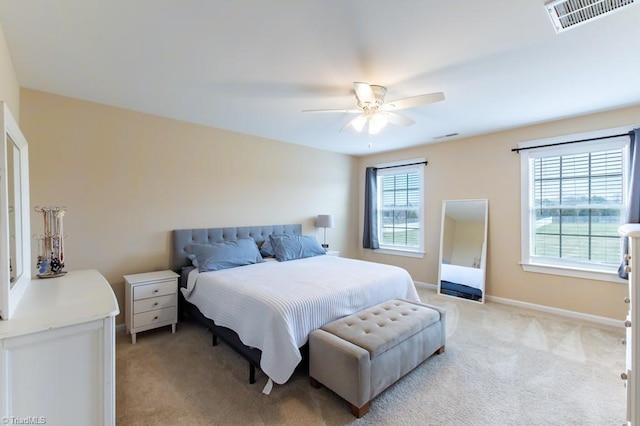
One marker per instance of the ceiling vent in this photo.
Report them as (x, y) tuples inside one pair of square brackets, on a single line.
[(450, 135), (567, 14)]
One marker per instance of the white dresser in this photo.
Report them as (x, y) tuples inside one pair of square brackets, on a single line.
[(57, 353), (632, 324)]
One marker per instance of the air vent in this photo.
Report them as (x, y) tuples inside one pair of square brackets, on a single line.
[(450, 135), (567, 14)]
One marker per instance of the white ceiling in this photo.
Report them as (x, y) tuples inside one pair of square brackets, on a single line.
[(466, 210), (253, 66)]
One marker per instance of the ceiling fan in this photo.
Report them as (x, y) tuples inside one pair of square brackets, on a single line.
[(375, 113)]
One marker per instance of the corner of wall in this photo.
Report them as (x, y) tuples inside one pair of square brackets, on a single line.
[(9, 88)]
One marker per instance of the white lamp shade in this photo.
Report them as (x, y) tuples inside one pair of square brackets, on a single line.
[(324, 221)]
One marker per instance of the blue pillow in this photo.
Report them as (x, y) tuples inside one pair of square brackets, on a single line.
[(291, 247), (266, 249), (224, 255)]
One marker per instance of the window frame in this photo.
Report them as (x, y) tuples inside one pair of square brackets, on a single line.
[(396, 168), (561, 267)]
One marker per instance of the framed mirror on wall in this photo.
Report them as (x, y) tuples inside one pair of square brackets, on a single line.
[(15, 248), (463, 249)]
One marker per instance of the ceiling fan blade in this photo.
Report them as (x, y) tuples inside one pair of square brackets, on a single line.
[(350, 111), (414, 101), (399, 119), (364, 93), (355, 124)]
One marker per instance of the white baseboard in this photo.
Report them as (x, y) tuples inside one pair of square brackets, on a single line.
[(425, 285), (562, 312)]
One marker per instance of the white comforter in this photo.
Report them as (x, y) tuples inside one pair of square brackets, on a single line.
[(273, 306), (464, 275)]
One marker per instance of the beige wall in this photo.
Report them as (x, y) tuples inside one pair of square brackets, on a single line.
[(9, 89), (467, 242), (449, 228), (128, 178), (485, 167)]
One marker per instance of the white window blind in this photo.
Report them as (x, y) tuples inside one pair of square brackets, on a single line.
[(578, 206), (400, 208)]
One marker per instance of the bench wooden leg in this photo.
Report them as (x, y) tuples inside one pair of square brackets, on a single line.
[(359, 412), (314, 383)]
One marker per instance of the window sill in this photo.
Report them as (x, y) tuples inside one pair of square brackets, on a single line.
[(566, 271), (397, 252)]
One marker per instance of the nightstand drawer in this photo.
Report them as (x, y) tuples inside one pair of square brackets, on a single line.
[(153, 317), (152, 303), (155, 289)]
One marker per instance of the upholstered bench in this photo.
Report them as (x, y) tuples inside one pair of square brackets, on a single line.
[(360, 355)]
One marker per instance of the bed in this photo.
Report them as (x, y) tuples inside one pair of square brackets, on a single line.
[(453, 275), (265, 311)]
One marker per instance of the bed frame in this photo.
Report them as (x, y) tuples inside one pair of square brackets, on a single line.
[(181, 238), (460, 290)]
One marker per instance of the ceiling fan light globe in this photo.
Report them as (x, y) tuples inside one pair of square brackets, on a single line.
[(359, 122), (377, 122)]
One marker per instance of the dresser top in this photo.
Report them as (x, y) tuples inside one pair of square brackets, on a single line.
[(630, 230), (77, 297)]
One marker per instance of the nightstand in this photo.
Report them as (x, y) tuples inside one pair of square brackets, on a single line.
[(333, 253), (151, 301)]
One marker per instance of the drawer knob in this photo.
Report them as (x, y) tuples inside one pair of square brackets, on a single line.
[(624, 341), (156, 290), (155, 318), (155, 304), (627, 300), (627, 323), (624, 376)]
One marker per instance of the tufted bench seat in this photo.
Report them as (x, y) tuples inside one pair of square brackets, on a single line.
[(360, 355)]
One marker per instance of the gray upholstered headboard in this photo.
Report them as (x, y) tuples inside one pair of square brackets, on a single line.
[(181, 238)]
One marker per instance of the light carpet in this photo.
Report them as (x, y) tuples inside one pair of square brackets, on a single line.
[(503, 365)]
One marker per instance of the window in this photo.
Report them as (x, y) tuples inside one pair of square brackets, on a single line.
[(400, 208), (573, 203)]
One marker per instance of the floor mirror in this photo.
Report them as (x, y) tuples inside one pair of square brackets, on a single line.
[(463, 249)]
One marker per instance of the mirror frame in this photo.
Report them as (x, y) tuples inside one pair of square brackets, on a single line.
[(10, 295), (483, 252)]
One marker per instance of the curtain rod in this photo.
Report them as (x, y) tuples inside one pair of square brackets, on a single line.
[(402, 165), (517, 150)]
